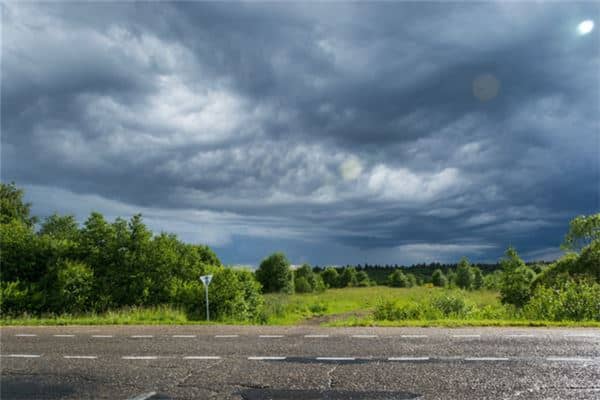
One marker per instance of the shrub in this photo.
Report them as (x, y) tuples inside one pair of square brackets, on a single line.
[(73, 287), (398, 279), (330, 277), (318, 308), (362, 279), (14, 298), (573, 301), (451, 305), (438, 278), (477, 278), (348, 277), (302, 285)]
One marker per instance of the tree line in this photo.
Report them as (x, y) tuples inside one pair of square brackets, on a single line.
[(56, 266)]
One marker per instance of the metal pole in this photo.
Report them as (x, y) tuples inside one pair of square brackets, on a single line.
[(206, 291)]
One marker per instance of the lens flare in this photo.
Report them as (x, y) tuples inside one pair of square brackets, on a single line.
[(585, 27)]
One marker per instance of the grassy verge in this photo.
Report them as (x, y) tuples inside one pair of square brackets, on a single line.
[(334, 307)]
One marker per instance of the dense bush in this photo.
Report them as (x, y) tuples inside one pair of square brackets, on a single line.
[(447, 305), (438, 278), (306, 280), (572, 301), (274, 274), (348, 277), (398, 279), (330, 277)]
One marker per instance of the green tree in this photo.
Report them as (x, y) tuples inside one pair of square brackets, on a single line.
[(62, 227), (12, 206), (330, 277), (362, 279), (464, 274), (438, 278), (515, 286), (477, 278), (348, 277), (274, 274), (411, 279), (398, 279), (582, 231)]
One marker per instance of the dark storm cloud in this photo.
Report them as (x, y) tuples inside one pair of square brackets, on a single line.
[(335, 132)]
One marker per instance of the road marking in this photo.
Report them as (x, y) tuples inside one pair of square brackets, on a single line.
[(63, 335), (184, 336), (520, 335), (335, 358), (226, 336), (569, 359), (270, 336), (144, 396), (466, 336), (583, 335), (141, 336), (364, 336), (316, 336), (21, 355), (25, 334), (486, 359), (414, 336), (202, 358), (102, 336), (139, 357), (266, 358), (82, 357), (408, 358)]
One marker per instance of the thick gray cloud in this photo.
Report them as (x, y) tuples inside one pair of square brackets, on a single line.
[(339, 133)]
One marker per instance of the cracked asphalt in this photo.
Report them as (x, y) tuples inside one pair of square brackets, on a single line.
[(249, 362)]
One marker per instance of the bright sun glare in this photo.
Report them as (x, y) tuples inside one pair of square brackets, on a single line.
[(585, 27)]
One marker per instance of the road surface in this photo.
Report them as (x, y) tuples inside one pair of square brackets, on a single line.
[(236, 362)]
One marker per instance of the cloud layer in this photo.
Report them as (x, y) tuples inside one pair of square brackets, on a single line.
[(339, 133)]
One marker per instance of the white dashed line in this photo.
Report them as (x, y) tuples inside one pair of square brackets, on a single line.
[(364, 336), (486, 359), (63, 335), (139, 357), (144, 396), (569, 359), (316, 336), (267, 358), (335, 358), (466, 336), (413, 336), (141, 336), (25, 334), (520, 336), (408, 358), (102, 336), (227, 336), (270, 336), (581, 335), (202, 358), (81, 357), (21, 355), (184, 336)]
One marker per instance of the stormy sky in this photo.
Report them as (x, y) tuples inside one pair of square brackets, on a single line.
[(335, 132)]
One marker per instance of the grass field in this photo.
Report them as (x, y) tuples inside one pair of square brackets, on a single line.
[(334, 307)]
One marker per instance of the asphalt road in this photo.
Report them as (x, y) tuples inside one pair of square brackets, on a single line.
[(232, 362)]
